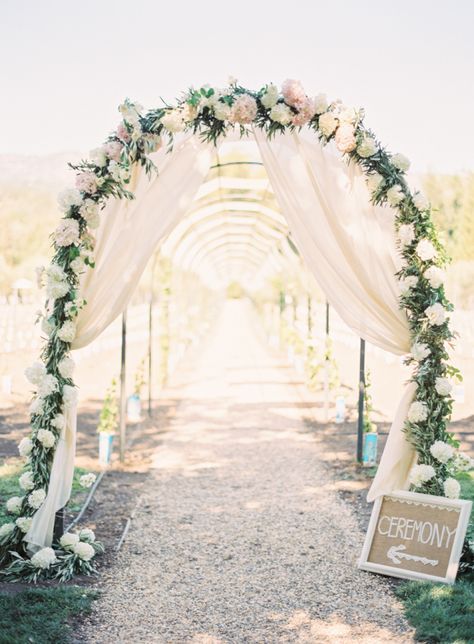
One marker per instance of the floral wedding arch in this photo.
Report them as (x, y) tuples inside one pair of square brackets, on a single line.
[(420, 451)]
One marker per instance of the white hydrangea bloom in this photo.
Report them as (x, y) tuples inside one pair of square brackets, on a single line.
[(420, 351), (281, 113), (69, 396), (441, 451), (67, 332), (25, 446), (395, 195), (43, 558), (24, 523), (36, 406), (68, 198), (36, 498), (14, 504), (270, 98), (463, 462), (367, 147), (86, 534), (407, 283), (35, 373), (67, 233), (452, 488), (173, 121), (66, 367), (328, 123), (421, 474), (425, 250), (78, 265), (406, 234), (418, 412), (68, 540), (46, 438), (98, 156), (222, 111), (6, 529), (59, 422), (401, 162), (26, 481), (374, 181), (48, 385), (84, 550), (435, 276), (443, 386), (436, 314)]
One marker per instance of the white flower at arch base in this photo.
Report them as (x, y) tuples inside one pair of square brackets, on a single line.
[(46, 438), (451, 488), (44, 558), (463, 462), (6, 529), (86, 534), (425, 250), (443, 386), (87, 480), (69, 540), (14, 504), (421, 474), (420, 351), (36, 498), (418, 412), (441, 451), (436, 314), (84, 550)]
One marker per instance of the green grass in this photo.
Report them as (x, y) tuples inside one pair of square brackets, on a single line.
[(438, 612), (41, 616), (10, 471)]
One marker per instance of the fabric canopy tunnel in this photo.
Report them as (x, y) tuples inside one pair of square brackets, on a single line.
[(346, 242)]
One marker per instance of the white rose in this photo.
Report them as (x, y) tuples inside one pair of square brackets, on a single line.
[(48, 385), (407, 283), (78, 265), (6, 529), (395, 195), (421, 474), (425, 250), (26, 481), (435, 276), (68, 198), (418, 412), (36, 498), (67, 233), (173, 121), (452, 488), (441, 451), (87, 480), (443, 386), (86, 534), (420, 201), (118, 172), (347, 114), (67, 332), (320, 103), (406, 234), (270, 98), (14, 504), (436, 314), (84, 551), (69, 395), (420, 351), (374, 181), (367, 147), (24, 523), (35, 373), (221, 111), (327, 123), (59, 422), (43, 558), (401, 162), (25, 446), (281, 113), (66, 367), (99, 157), (68, 540), (46, 438)]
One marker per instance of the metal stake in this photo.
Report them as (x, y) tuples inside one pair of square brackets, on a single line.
[(360, 421), (123, 397), (150, 350)]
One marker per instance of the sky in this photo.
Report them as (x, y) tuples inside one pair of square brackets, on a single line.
[(66, 65)]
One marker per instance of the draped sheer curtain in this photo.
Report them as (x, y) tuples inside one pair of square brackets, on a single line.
[(348, 244)]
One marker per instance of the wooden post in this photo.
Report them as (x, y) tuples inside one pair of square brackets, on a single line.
[(360, 420), (58, 529), (123, 393)]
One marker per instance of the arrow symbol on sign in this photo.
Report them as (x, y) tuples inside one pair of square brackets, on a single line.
[(396, 554)]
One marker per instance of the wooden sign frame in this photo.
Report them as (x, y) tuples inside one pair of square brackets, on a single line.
[(414, 498)]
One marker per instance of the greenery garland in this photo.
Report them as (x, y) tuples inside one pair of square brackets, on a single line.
[(210, 113)]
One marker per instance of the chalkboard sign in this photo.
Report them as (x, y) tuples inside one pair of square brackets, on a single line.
[(416, 536)]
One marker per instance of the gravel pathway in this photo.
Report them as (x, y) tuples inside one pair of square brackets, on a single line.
[(239, 536)]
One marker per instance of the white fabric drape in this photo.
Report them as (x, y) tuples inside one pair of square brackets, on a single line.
[(128, 234), (347, 243)]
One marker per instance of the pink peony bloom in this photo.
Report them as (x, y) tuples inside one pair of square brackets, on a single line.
[(113, 150), (86, 182), (122, 132), (345, 139), (244, 110), (293, 93), (306, 113)]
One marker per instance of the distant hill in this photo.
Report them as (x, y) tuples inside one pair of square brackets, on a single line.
[(49, 171)]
